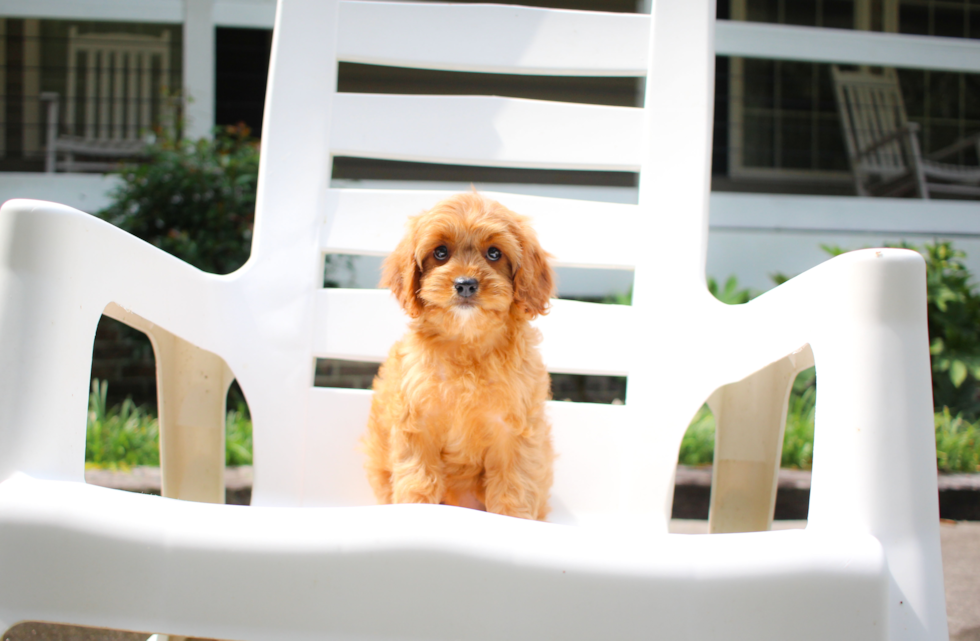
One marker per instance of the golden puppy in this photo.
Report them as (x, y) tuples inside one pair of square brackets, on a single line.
[(458, 411)]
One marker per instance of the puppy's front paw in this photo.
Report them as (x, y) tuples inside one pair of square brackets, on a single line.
[(417, 487)]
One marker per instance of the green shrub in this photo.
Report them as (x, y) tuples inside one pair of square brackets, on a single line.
[(957, 443), (126, 436), (730, 294), (120, 437), (193, 199)]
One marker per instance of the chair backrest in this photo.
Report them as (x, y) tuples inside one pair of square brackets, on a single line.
[(871, 108), (612, 459), (125, 84)]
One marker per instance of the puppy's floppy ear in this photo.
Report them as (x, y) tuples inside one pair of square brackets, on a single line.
[(534, 279), (402, 273)]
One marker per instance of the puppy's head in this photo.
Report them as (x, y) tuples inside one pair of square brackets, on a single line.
[(469, 255)]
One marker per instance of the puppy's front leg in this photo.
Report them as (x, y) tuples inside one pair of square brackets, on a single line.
[(518, 470), (416, 471)]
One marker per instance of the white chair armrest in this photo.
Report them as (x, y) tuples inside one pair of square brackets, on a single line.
[(59, 269), (874, 462)]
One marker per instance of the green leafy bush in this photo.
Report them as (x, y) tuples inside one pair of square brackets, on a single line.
[(730, 294), (120, 437), (957, 443), (193, 199), (127, 435)]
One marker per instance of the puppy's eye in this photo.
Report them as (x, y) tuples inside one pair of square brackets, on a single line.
[(441, 252), (493, 254)]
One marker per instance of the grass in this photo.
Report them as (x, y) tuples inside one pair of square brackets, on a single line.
[(128, 435)]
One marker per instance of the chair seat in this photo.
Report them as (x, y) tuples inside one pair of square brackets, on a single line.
[(952, 173), (129, 561)]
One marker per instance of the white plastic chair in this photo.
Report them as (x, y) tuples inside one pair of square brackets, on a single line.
[(309, 558)]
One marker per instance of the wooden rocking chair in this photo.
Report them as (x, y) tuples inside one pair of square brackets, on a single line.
[(883, 146)]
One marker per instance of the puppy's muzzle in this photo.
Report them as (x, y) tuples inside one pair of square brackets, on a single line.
[(466, 287)]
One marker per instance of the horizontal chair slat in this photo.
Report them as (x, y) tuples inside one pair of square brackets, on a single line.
[(487, 131), (579, 338), (494, 39), (577, 233)]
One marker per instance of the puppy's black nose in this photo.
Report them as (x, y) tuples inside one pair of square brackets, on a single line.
[(466, 287)]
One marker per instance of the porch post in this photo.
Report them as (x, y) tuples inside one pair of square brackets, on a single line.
[(198, 69)]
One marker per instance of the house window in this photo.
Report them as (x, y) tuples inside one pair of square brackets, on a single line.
[(111, 80), (783, 122), (946, 105), (782, 116)]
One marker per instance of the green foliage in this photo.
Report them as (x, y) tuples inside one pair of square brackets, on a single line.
[(698, 444), (238, 437), (127, 436), (798, 439), (954, 330), (619, 299), (957, 443), (730, 294), (193, 199), (120, 437)]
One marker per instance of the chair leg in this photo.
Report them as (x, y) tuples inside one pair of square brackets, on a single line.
[(750, 419), (192, 386)]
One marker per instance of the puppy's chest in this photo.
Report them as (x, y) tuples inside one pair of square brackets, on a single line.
[(468, 405)]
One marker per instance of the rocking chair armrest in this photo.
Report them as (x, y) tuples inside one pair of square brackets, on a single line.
[(59, 270), (964, 143), (909, 130)]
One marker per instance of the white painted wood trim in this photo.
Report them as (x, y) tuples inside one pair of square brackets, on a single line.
[(198, 51), (485, 38), (843, 214), (254, 14), (114, 10), (499, 132), (843, 46), (732, 38)]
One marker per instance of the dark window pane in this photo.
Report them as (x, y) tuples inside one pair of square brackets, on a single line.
[(796, 85), (941, 135), (944, 94), (762, 10), (913, 84), (758, 134), (831, 154), (241, 68), (974, 22), (797, 133), (801, 12), (913, 19), (972, 96), (948, 22), (759, 83), (838, 14), (826, 97)]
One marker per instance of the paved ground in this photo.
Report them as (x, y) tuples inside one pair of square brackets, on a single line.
[(961, 568)]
